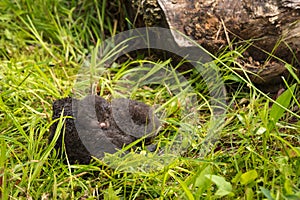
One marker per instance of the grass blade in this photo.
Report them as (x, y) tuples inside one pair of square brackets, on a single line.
[(281, 104)]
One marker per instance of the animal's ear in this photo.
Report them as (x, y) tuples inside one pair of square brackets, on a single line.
[(139, 112), (134, 118)]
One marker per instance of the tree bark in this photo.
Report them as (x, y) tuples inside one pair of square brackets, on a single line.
[(268, 28), (271, 25)]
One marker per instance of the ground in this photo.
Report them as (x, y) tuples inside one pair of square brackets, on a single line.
[(255, 154)]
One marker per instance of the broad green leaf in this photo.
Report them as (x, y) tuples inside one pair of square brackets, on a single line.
[(224, 187), (237, 177), (249, 194), (284, 100), (221, 192), (201, 182), (248, 177), (288, 187), (267, 193)]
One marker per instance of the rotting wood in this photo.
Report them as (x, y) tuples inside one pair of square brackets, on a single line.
[(271, 27)]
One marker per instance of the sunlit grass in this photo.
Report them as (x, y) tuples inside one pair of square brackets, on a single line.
[(44, 43)]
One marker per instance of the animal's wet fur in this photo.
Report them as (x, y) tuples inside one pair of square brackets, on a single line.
[(92, 117)]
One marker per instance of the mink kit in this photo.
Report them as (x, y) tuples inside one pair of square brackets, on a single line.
[(97, 126)]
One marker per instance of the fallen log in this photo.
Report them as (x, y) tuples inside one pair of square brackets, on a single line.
[(271, 27)]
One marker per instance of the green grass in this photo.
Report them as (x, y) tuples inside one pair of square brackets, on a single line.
[(44, 43)]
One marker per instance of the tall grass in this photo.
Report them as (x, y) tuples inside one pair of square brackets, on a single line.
[(43, 44)]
